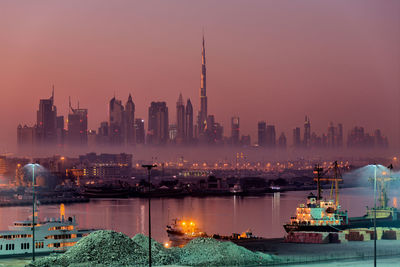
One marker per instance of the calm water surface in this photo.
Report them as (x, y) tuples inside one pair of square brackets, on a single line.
[(264, 215)]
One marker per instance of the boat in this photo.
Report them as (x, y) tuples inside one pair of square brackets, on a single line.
[(182, 230), (319, 215), (51, 235)]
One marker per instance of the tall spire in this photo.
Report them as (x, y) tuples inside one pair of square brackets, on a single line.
[(203, 90)]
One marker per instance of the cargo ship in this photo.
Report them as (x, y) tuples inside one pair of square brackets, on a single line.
[(319, 215)]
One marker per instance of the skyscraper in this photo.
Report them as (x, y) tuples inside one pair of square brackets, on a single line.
[(282, 141), (202, 117), (47, 121), (77, 126), (140, 132), (158, 127), (116, 122), (262, 133), (296, 137), (180, 120), (189, 122), (129, 124), (235, 130), (271, 136), (307, 132)]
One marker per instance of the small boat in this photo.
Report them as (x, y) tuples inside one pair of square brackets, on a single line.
[(181, 230), (51, 235)]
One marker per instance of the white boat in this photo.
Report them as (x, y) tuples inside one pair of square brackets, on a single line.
[(51, 235)]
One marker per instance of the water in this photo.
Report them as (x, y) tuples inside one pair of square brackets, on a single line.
[(264, 215)]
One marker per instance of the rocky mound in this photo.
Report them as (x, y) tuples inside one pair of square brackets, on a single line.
[(210, 252)]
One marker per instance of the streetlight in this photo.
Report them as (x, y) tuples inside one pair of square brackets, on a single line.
[(33, 165), (149, 167)]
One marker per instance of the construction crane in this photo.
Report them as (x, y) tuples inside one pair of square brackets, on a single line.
[(320, 176)]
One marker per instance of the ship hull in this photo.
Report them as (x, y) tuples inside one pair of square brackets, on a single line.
[(353, 224)]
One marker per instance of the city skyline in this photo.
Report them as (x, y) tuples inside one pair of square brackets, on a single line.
[(338, 78)]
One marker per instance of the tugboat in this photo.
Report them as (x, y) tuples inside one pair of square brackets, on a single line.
[(53, 235), (181, 230)]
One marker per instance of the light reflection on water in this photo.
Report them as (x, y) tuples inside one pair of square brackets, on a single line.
[(264, 215)]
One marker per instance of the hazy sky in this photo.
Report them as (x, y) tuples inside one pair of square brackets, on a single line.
[(266, 60)]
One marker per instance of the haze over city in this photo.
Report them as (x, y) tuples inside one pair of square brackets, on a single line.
[(272, 61)]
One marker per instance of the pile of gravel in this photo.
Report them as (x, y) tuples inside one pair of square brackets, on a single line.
[(210, 252), (159, 254), (108, 248), (104, 247)]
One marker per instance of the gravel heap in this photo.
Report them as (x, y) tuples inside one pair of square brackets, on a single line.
[(159, 254), (108, 248), (104, 247), (211, 252)]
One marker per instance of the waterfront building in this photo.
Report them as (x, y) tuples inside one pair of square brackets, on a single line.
[(158, 127), (106, 166)]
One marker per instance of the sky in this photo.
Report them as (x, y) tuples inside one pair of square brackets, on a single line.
[(277, 61)]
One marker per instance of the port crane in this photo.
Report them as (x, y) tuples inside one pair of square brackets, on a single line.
[(381, 184), (321, 176)]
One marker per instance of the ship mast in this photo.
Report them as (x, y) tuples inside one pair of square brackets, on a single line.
[(319, 171)]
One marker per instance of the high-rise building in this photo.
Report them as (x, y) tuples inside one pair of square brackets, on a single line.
[(26, 137), (116, 122), (331, 136), (189, 122), (262, 133), (296, 137), (130, 131), (203, 115), (77, 126), (307, 132), (282, 141), (235, 130), (180, 120), (158, 127), (271, 136), (102, 133), (46, 121), (339, 141), (140, 132)]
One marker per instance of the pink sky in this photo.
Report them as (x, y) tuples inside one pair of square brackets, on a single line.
[(266, 60)]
